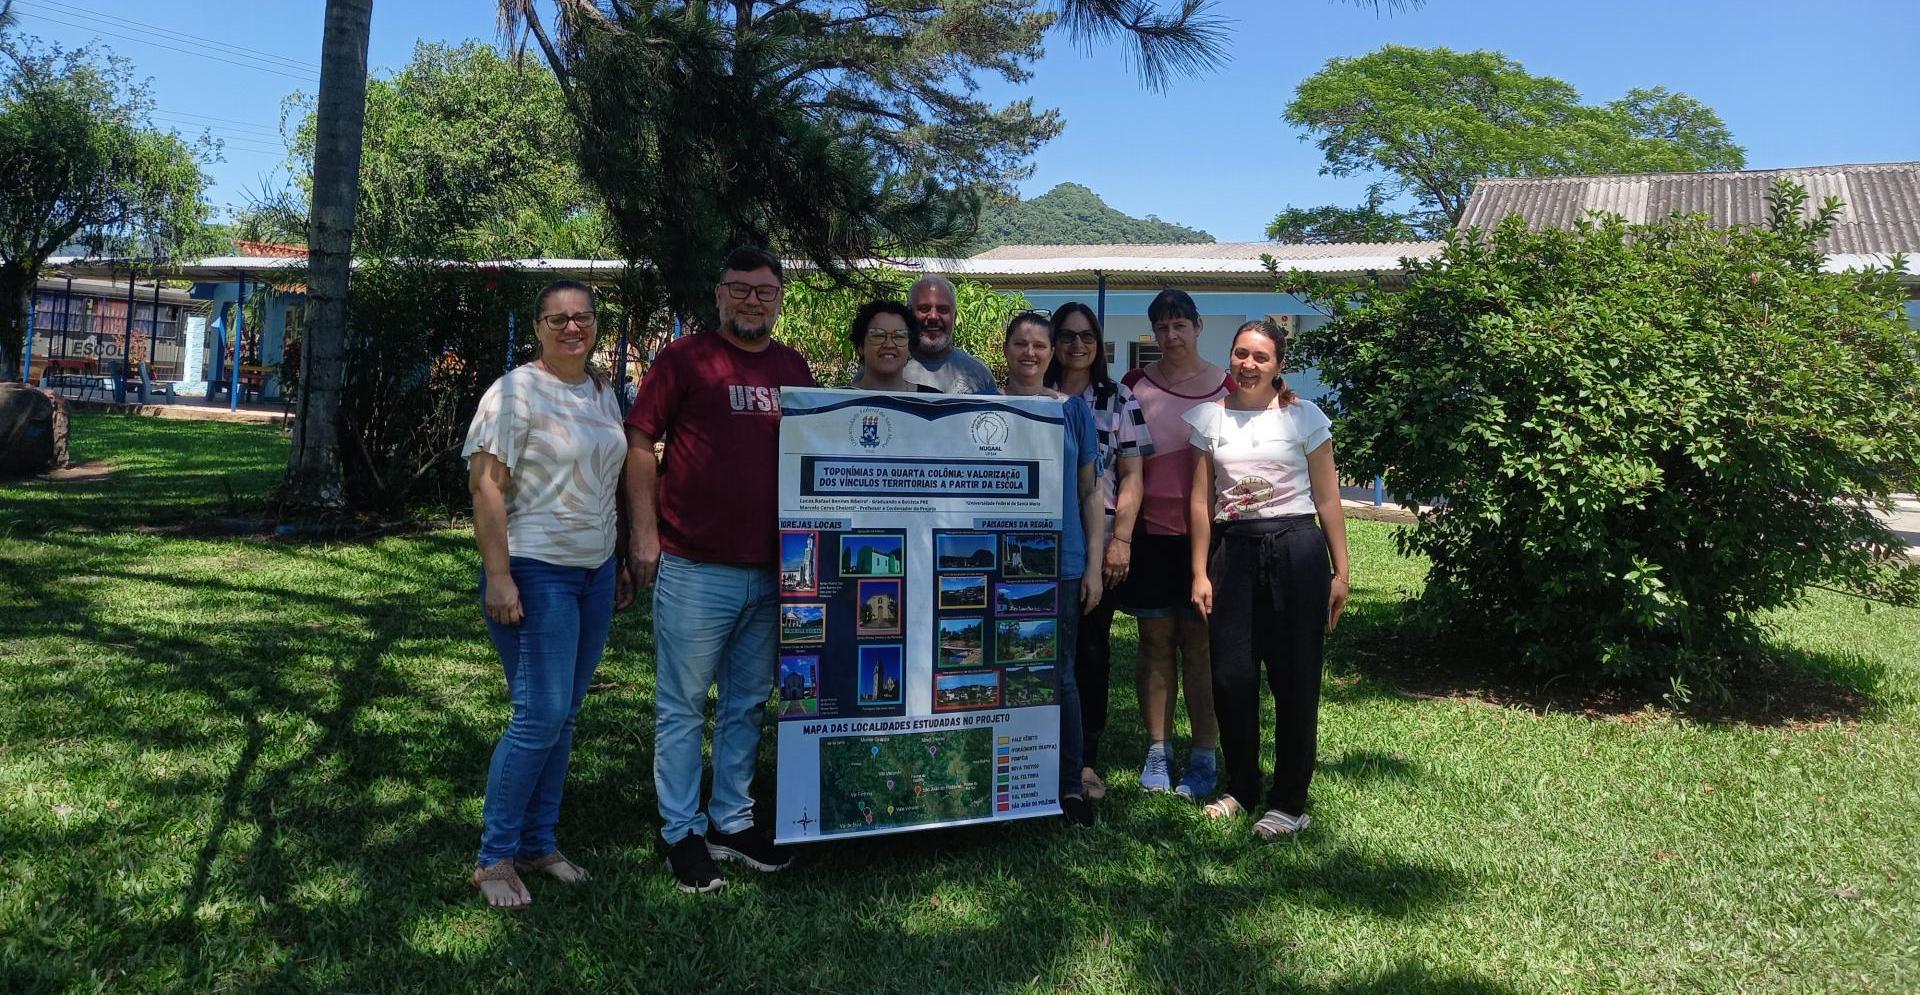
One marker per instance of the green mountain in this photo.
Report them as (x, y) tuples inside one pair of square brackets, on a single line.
[(1071, 214)]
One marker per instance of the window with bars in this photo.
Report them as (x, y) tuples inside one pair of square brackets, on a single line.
[(1141, 353)]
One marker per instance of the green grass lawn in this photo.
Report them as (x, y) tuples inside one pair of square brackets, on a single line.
[(237, 764)]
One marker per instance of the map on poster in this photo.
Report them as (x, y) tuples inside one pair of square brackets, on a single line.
[(920, 607)]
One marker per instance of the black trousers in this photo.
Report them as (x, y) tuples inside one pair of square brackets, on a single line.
[(1270, 580), (1093, 669)]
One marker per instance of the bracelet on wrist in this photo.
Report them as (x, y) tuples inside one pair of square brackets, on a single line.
[(1117, 539)]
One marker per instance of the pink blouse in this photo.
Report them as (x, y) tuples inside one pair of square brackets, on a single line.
[(1167, 475)]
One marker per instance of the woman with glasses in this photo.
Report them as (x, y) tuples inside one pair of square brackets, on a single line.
[(884, 334), (1079, 369), (1029, 350), (544, 455)]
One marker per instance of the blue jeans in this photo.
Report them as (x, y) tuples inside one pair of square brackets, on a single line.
[(549, 659), (712, 623), (1072, 745)]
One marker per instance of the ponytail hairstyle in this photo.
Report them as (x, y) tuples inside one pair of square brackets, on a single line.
[(594, 372), (1262, 326)]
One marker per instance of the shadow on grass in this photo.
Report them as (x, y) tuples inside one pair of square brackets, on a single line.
[(321, 838), (1387, 647)]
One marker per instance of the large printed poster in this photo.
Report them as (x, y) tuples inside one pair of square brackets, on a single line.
[(920, 611)]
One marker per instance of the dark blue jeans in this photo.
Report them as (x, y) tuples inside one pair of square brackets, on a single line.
[(1071, 743), (549, 659)]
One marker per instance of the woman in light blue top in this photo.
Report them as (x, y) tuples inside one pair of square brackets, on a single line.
[(1083, 521)]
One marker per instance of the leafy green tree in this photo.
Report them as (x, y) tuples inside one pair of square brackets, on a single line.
[(817, 312), (80, 164), (465, 154), (1369, 222), (1070, 214), (834, 132), (1434, 121), (1642, 437)]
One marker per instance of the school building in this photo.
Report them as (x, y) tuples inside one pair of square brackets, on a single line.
[(88, 316)]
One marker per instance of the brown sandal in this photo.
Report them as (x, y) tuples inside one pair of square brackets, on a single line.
[(501, 871), (545, 863)]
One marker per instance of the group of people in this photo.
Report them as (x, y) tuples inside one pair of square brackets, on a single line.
[(1202, 501)]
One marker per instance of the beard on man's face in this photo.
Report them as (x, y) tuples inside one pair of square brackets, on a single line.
[(746, 332)]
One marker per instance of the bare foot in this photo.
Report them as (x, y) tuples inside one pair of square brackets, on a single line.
[(501, 886), (554, 865)]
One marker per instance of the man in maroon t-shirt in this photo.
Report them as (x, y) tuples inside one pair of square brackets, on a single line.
[(703, 526)]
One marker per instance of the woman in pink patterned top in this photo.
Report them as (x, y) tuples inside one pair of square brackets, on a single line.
[(1158, 585)]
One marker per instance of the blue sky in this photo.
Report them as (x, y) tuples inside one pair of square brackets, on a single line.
[(1796, 89)]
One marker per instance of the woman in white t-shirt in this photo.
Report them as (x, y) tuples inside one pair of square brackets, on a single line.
[(544, 455), (1271, 581)]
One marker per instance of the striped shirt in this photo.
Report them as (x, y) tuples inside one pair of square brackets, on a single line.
[(1121, 430)]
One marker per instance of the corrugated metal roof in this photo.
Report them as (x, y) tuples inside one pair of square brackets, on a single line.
[(1192, 251), (142, 292), (1235, 264), (1880, 212)]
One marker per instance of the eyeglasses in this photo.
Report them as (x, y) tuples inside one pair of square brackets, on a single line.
[(1086, 336), (557, 322), (892, 336), (765, 293)]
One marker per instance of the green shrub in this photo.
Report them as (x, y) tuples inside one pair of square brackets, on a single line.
[(1643, 436), (815, 316), (424, 343)]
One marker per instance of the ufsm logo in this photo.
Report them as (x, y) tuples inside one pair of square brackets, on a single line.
[(870, 430)]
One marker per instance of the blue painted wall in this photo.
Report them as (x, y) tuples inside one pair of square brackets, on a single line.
[(272, 341)]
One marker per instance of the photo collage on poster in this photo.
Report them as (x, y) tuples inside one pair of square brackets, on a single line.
[(842, 623), (996, 620)]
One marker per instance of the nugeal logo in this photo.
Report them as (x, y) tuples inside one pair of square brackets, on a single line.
[(990, 432)]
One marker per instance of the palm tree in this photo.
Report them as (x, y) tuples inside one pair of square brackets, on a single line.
[(313, 467)]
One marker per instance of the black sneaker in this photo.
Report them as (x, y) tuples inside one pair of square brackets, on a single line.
[(1078, 812), (750, 847), (692, 867)]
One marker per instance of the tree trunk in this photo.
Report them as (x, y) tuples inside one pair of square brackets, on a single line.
[(16, 286), (313, 466)]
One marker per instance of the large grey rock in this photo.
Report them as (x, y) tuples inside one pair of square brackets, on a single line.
[(28, 441)]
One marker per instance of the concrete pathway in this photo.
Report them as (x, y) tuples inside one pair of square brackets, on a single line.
[(1905, 521), (192, 409)]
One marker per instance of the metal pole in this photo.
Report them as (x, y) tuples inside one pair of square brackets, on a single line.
[(233, 368), (620, 359), (1102, 276), (153, 325), (1379, 491), (126, 347), (66, 321), (509, 340), (33, 308)]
